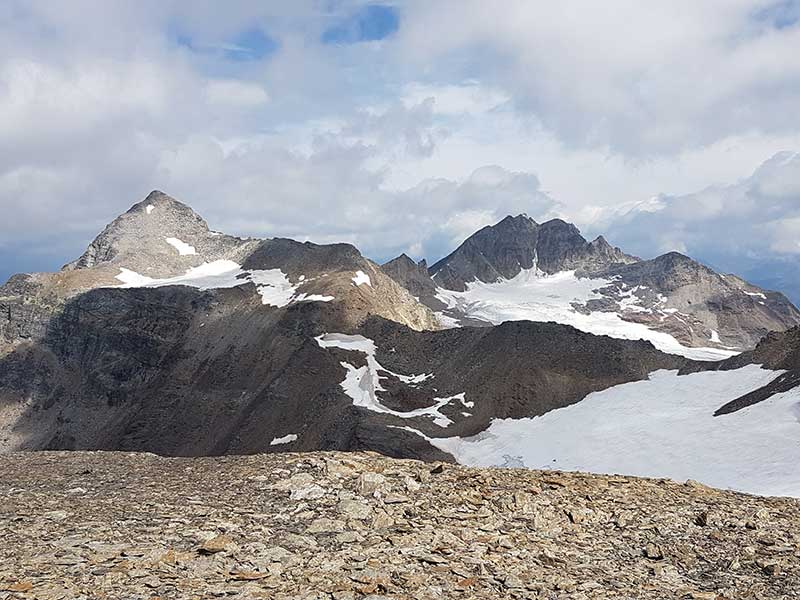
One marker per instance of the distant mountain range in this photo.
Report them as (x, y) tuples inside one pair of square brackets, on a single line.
[(528, 346)]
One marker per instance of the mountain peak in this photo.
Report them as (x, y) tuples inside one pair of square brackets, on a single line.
[(519, 243), (153, 235), (519, 221)]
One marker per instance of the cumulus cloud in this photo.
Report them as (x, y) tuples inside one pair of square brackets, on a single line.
[(751, 227), (631, 76)]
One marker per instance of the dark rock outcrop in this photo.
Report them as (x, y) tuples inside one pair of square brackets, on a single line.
[(519, 243)]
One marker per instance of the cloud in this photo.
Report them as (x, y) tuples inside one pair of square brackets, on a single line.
[(235, 93), (625, 75), (751, 227)]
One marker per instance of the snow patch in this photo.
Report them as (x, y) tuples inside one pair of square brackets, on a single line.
[(361, 278), (755, 294), (362, 384), (661, 427), (183, 248), (533, 296), (272, 284), (287, 439), (149, 208), (312, 298), (715, 336)]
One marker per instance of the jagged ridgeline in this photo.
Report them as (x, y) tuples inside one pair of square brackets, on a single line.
[(169, 337)]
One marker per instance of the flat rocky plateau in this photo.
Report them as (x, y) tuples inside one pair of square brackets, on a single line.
[(340, 526)]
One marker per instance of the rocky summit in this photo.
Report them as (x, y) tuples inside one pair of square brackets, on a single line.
[(355, 526)]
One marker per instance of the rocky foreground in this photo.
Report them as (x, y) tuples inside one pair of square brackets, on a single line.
[(340, 526)]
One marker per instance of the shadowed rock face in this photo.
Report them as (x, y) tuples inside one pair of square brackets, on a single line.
[(179, 371), (415, 278), (519, 243)]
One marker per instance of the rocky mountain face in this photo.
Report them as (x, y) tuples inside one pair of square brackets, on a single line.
[(180, 371), (519, 243), (160, 242), (697, 302), (414, 277), (344, 526), (160, 237), (670, 294), (170, 338)]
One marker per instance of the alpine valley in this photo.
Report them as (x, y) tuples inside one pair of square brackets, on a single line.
[(527, 346)]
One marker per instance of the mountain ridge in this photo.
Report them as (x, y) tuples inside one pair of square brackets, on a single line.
[(167, 337)]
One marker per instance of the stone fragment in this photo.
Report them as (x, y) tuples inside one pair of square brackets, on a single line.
[(369, 483), (354, 509), (653, 551), (218, 543)]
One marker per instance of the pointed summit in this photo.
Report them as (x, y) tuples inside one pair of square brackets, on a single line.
[(411, 275), (158, 237)]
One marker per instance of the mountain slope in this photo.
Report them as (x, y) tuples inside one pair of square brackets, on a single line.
[(206, 344), (519, 269)]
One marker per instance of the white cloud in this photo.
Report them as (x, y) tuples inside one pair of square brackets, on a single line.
[(751, 227), (622, 74), (228, 92)]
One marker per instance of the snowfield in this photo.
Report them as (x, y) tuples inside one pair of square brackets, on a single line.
[(661, 427), (273, 286), (534, 296), (361, 278), (182, 247), (362, 384)]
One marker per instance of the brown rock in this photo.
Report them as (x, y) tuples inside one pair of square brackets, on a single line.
[(218, 543)]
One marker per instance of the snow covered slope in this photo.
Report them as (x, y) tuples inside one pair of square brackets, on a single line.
[(520, 269), (662, 427), (563, 298)]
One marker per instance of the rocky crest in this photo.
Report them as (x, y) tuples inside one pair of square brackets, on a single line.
[(414, 277), (161, 238), (671, 293), (351, 526), (519, 243)]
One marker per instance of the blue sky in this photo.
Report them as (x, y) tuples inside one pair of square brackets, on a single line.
[(405, 126)]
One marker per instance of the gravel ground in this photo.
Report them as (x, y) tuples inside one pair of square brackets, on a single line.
[(340, 526)]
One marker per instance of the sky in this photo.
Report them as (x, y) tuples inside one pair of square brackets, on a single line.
[(404, 126)]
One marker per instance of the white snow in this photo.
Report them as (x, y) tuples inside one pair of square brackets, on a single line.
[(149, 208), (287, 439), (272, 284), (312, 298), (362, 278), (362, 384), (661, 427), (183, 248), (274, 287), (133, 279), (715, 336), (756, 294), (533, 296)]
